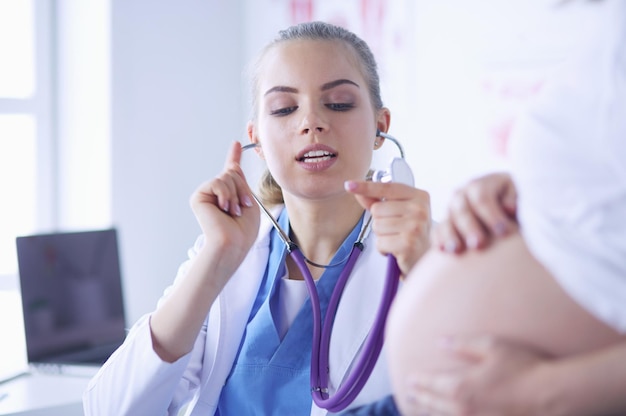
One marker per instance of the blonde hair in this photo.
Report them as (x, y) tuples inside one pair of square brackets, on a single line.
[(270, 192)]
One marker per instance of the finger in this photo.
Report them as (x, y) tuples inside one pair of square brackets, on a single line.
[(229, 192), (490, 208), (509, 201), (225, 191), (204, 194), (406, 255), (414, 202), (379, 190), (407, 248), (240, 193), (363, 193), (403, 246), (444, 383), (408, 222), (233, 158), (365, 202), (387, 199), (219, 190), (425, 402), (404, 222), (466, 222), (443, 394), (446, 238), (401, 218), (471, 348)]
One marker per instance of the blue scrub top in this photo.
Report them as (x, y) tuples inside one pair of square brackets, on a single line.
[(270, 375)]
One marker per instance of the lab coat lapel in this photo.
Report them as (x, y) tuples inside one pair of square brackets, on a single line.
[(226, 323), (357, 311)]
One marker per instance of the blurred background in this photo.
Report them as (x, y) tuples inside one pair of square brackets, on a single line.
[(113, 111)]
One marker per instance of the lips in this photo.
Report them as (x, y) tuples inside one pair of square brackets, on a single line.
[(316, 156), (316, 153)]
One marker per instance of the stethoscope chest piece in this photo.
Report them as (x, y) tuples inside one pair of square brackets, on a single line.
[(399, 171)]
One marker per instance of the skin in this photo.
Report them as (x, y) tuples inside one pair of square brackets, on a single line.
[(507, 378), (477, 293), (312, 96), (551, 359), (479, 212)]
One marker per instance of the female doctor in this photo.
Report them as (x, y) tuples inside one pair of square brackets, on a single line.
[(233, 335)]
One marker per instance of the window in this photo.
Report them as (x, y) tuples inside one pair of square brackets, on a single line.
[(26, 173)]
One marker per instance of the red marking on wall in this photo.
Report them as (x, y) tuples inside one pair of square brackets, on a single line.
[(507, 98), (373, 21), (301, 10)]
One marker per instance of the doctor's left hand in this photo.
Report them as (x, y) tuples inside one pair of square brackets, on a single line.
[(401, 219)]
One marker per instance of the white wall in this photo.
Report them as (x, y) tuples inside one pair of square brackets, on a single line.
[(176, 105), (477, 65), (83, 122)]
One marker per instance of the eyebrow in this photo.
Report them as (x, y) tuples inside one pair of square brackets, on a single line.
[(325, 87), (333, 84)]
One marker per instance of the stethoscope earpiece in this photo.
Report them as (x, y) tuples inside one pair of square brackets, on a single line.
[(393, 139)]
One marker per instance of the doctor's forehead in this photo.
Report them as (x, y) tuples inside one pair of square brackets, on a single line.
[(316, 62)]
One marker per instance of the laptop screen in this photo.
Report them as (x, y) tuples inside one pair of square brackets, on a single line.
[(71, 294)]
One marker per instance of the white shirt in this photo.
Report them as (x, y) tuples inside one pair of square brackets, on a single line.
[(292, 295), (569, 163)]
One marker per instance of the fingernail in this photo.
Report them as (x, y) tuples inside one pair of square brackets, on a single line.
[(349, 185), (246, 201), (237, 210), (500, 228), (225, 206), (472, 241)]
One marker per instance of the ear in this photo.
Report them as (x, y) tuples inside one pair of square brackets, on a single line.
[(383, 121), (254, 138)]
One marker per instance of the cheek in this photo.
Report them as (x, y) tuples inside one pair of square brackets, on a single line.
[(275, 160), (366, 158), (275, 139), (362, 152)]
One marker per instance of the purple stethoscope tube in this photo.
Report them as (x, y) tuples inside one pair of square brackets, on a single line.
[(362, 369), (399, 171)]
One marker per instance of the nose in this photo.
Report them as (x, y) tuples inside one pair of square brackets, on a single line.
[(313, 123)]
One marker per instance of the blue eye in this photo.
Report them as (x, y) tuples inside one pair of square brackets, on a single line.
[(340, 106), (283, 111)]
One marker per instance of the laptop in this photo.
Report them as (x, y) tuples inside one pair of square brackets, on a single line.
[(72, 303)]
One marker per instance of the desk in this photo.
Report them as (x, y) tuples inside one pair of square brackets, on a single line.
[(32, 393), (13, 346), (43, 395)]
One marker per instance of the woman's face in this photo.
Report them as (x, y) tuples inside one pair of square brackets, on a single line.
[(316, 122)]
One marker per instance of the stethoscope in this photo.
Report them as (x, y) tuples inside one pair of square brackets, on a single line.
[(398, 171)]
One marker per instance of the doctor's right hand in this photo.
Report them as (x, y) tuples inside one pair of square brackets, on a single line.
[(224, 208), (230, 221)]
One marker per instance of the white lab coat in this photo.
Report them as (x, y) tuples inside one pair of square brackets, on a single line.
[(135, 381)]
